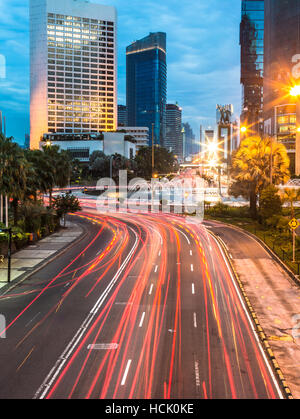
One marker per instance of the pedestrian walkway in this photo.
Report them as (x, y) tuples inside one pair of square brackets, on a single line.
[(33, 256), (273, 295)]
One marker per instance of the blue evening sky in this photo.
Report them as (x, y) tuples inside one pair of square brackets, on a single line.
[(202, 52)]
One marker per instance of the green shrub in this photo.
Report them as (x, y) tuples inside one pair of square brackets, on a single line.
[(269, 203), (222, 210)]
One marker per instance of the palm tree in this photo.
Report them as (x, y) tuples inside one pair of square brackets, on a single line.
[(13, 172), (58, 168), (291, 196), (251, 168)]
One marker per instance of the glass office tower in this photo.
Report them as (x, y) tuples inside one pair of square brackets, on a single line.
[(174, 138), (282, 48), (252, 63), (147, 85)]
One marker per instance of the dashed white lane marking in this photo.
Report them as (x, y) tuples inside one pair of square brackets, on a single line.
[(192, 267), (197, 374), (32, 319), (126, 372), (142, 319), (103, 346), (193, 288), (51, 377), (195, 320), (151, 289), (156, 267), (191, 252), (159, 253)]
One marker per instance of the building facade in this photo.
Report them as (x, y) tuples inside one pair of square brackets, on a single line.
[(140, 134), (147, 85), (122, 116), (174, 135), (73, 68), (82, 146), (191, 146), (282, 49), (252, 64)]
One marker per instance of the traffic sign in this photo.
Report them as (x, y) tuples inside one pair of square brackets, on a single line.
[(294, 224)]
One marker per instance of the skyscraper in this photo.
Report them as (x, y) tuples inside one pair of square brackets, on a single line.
[(252, 63), (147, 84), (122, 116), (174, 139), (73, 68), (191, 146), (282, 48)]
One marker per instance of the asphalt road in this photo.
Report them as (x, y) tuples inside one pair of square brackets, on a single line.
[(144, 307)]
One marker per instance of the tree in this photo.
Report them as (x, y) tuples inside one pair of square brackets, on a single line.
[(99, 164), (58, 166), (63, 204), (13, 172), (269, 203), (251, 168), (165, 162), (291, 196)]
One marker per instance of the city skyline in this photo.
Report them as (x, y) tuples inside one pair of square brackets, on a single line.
[(206, 76)]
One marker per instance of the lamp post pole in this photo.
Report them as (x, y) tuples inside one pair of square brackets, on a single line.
[(9, 231), (153, 162)]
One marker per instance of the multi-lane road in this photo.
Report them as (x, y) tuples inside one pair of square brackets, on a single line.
[(145, 306)]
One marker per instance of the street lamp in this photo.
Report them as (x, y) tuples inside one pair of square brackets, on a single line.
[(244, 130), (9, 231)]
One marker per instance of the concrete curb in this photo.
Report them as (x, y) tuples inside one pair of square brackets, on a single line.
[(59, 253), (262, 336)]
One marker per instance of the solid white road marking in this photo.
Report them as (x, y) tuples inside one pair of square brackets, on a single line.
[(249, 320), (51, 377), (142, 319), (126, 372)]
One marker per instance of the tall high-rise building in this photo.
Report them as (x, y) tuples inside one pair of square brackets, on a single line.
[(122, 116), (174, 139), (282, 49), (191, 146), (73, 68), (147, 85), (252, 63)]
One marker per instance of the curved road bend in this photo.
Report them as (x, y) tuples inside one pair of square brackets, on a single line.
[(144, 307)]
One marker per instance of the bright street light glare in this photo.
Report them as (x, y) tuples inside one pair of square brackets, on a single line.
[(295, 91), (212, 147), (243, 129)]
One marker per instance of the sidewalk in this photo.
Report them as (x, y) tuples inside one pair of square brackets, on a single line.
[(272, 294), (32, 257)]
